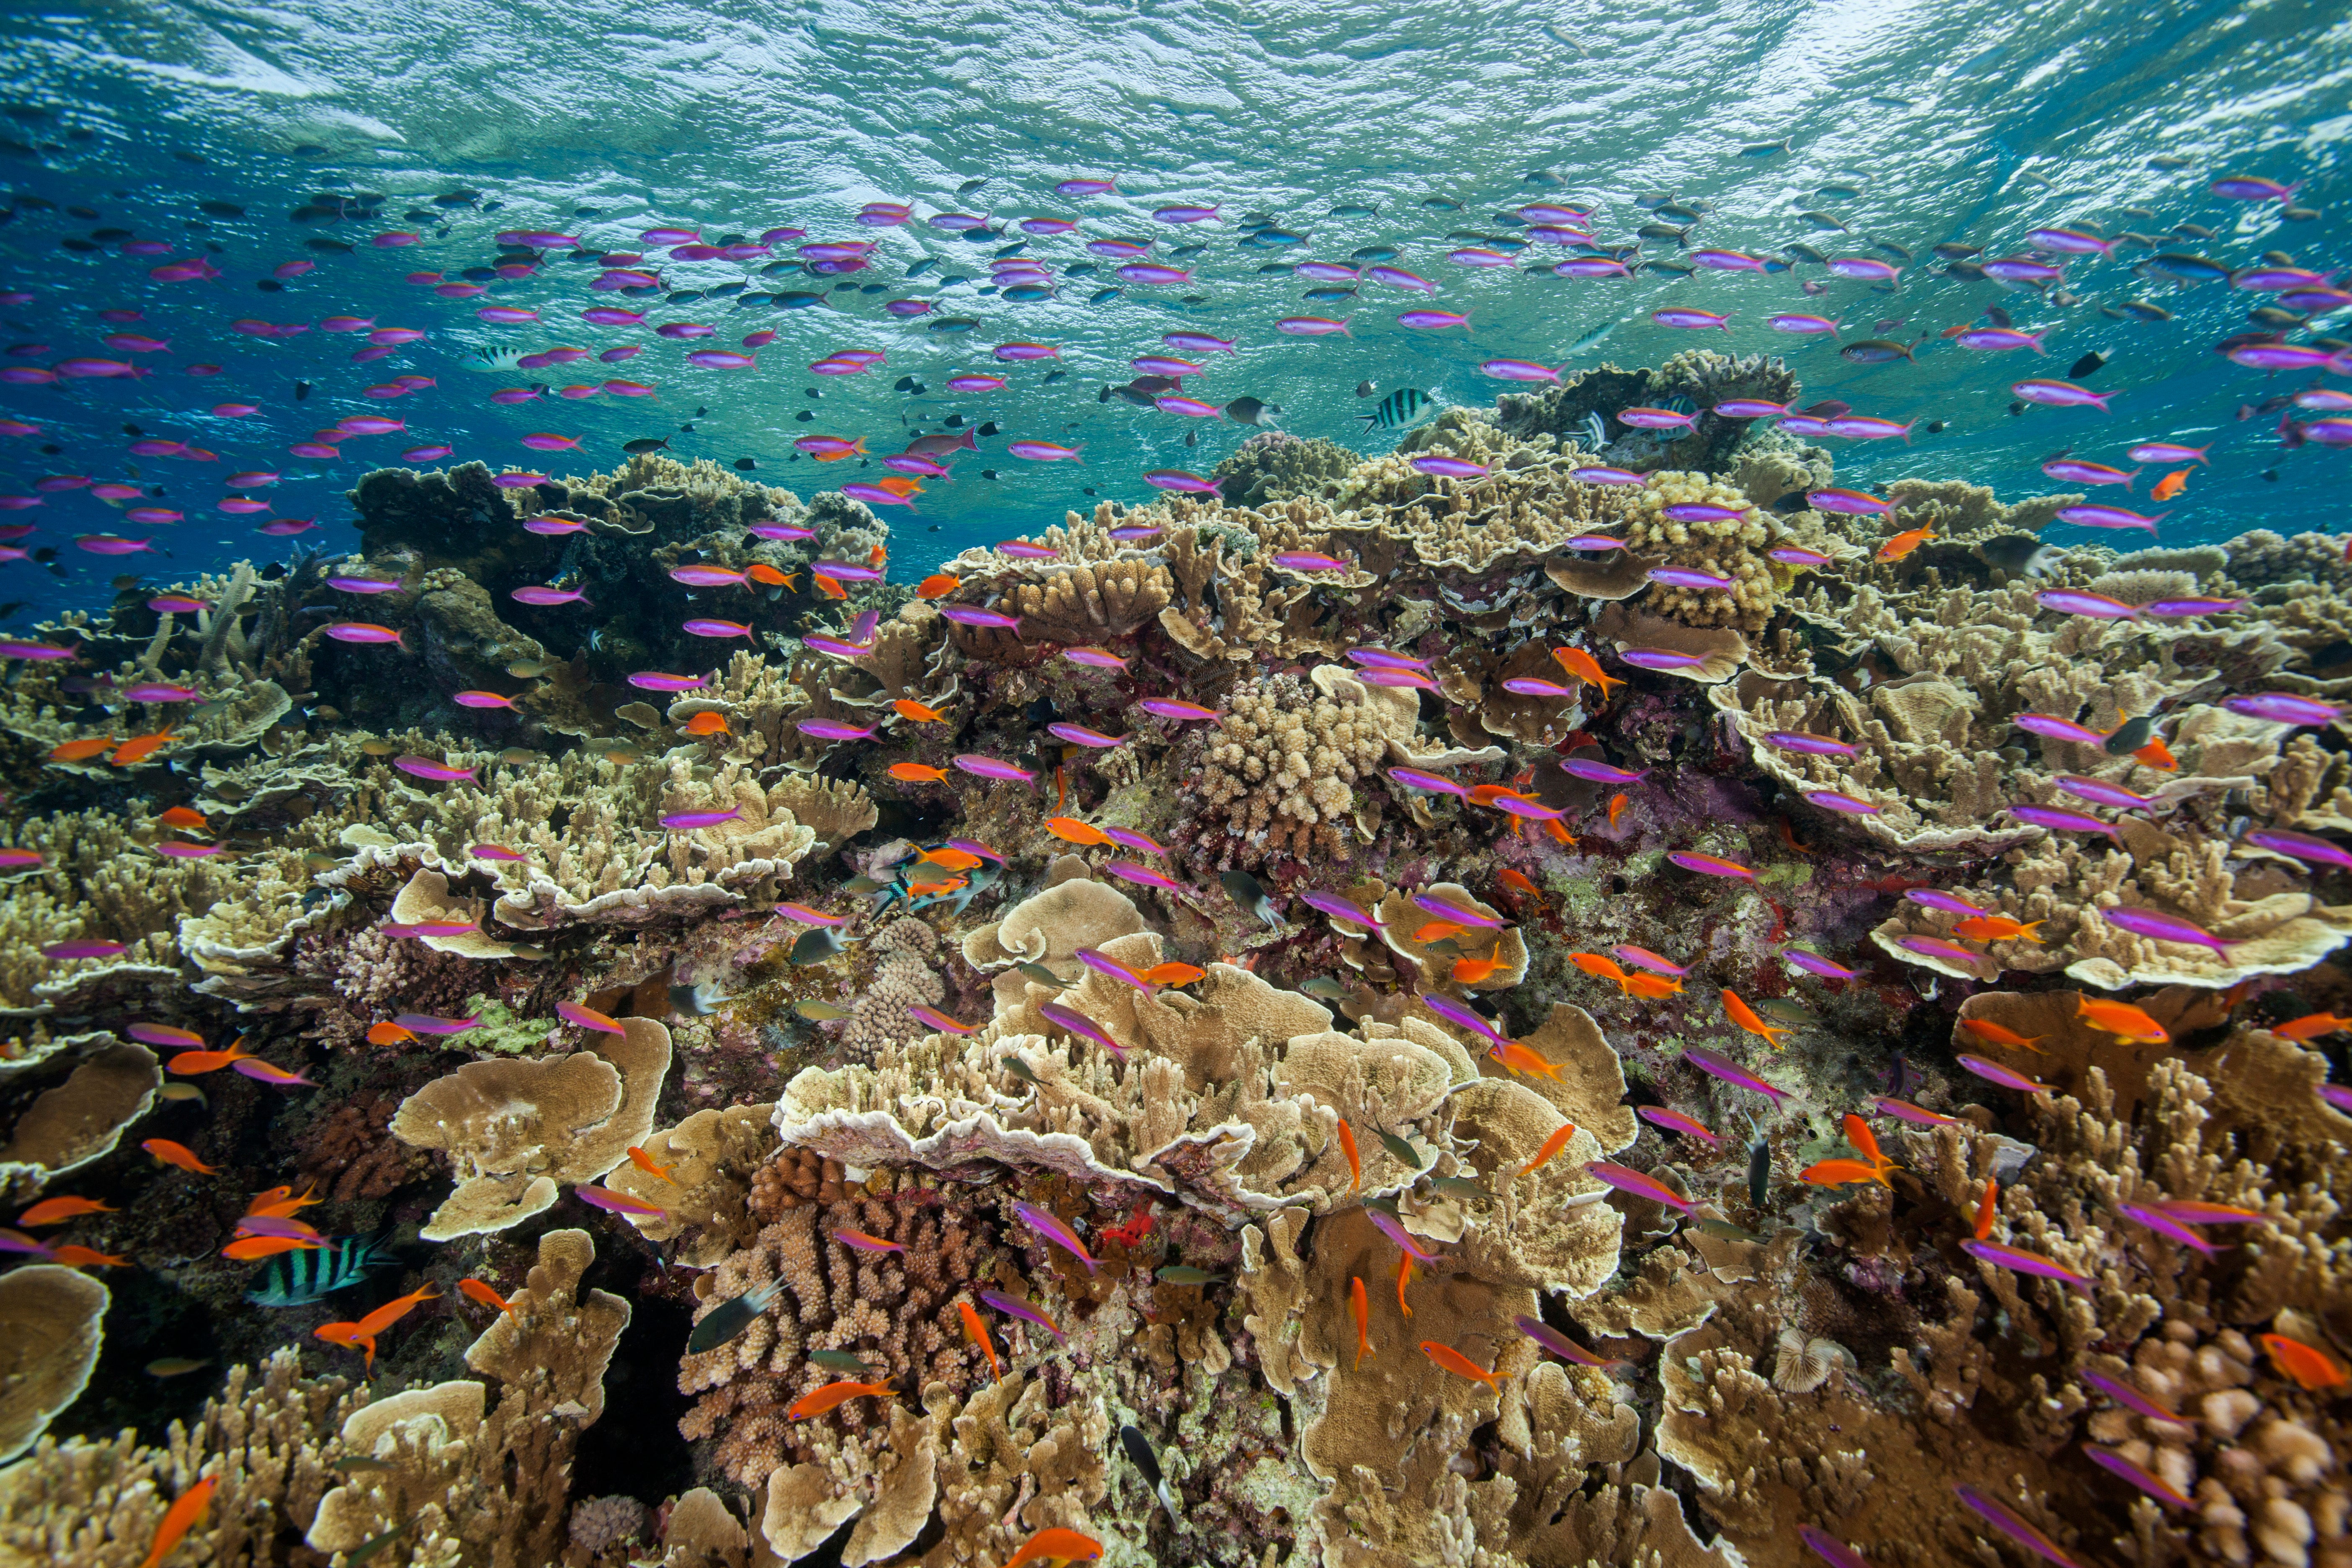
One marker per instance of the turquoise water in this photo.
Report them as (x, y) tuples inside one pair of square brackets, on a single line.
[(1971, 123)]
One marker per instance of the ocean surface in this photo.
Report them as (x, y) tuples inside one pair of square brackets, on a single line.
[(1912, 125)]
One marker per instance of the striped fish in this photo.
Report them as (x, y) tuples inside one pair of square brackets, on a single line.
[(299, 1279), (1401, 410), (496, 362)]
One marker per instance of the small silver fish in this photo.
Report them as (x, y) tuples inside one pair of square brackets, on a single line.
[(1041, 975), (1324, 986)]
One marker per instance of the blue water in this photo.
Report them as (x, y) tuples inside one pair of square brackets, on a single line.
[(1971, 122)]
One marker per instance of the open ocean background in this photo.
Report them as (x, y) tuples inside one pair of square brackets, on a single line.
[(1969, 122)]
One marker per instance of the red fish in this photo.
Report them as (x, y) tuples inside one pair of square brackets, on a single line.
[(834, 1394), (1461, 1365), (1552, 1146), (977, 1332)]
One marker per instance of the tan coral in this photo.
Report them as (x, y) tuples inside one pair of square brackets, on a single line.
[(49, 1340), (516, 1129), (84, 1117), (711, 1157)]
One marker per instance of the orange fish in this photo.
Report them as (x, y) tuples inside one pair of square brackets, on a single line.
[(138, 749), (279, 1203), (709, 721), (1355, 1164), (977, 1332), (86, 1257), (182, 1516), (1363, 1311), (1987, 1207), (1592, 964), (1470, 971), (1581, 667), (2312, 1367), (392, 1311), (1953, 332), (1461, 1365), (916, 773), (2171, 485), (2122, 1018), (1858, 1133), (1741, 1014), (1552, 1145), (1070, 830), (761, 572), (1056, 1546), (80, 751), (390, 1034), (918, 712), (1653, 987), (1616, 809), (1843, 1173), (56, 1211), (480, 1293), (925, 884), (178, 1154), (875, 556), (645, 1162), (901, 486), (854, 449), (186, 1064), (1560, 835), (1172, 974), (1994, 1034), (2157, 754), (252, 1247), (2310, 1027), (1904, 544), (834, 1394), (828, 588), (1437, 930), (1789, 837), (1487, 795), (1518, 882), (950, 857), (1405, 1278), (347, 1336), (1520, 1059), (1998, 928), (938, 585), (185, 817)]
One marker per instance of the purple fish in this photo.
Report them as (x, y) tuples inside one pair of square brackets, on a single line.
[(1701, 511), (1387, 1224), (1143, 876), (2099, 792), (1128, 839), (1512, 806), (2282, 708), (1711, 865), (2051, 727), (1561, 1345), (2017, 1260), (687, 821), (1830, 1548), (1603, 474), (1307, 561), (18, 1241), (1689, 577), (269, 1225), (1382, 659), (973, 615), (2188, 609), (1435, 784), (1412, 678), (832, 729), (2299, 847), (2159, 927), (426, 768), (2062, 821), (656, 680), (835, 647), (1103, 963), (2334, 1094), (857, 1240), (2007, 1078), (1797, 555), (2116, 1464), (1625, 1179), (2163, 1223), (2002, 1519), (1454, 1012), (2076, 602), (990, 768), (2094, 516), (1642, 958), (1051, 1227), (1024, 1312), (1339, 908), (1936, 947), (1078, 1024), (1176, 708), (1951, 903), (427, 1023), (1815, 963), (1811, 746), (1593, 541), (270, 1073), (1731, 1072), (1660, 659), (1831, 800), (1079, 735), (2131, 1398), (1439, 466), (1446, 909), (1917, 1115)]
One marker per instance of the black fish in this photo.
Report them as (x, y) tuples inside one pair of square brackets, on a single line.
[(644, 444), (1252, 898), (1138, 1450), (301, 390), (2134, 734), (1251, 411), (2086, 364), (746, 465), (1759, 1171), (731, 1318)]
